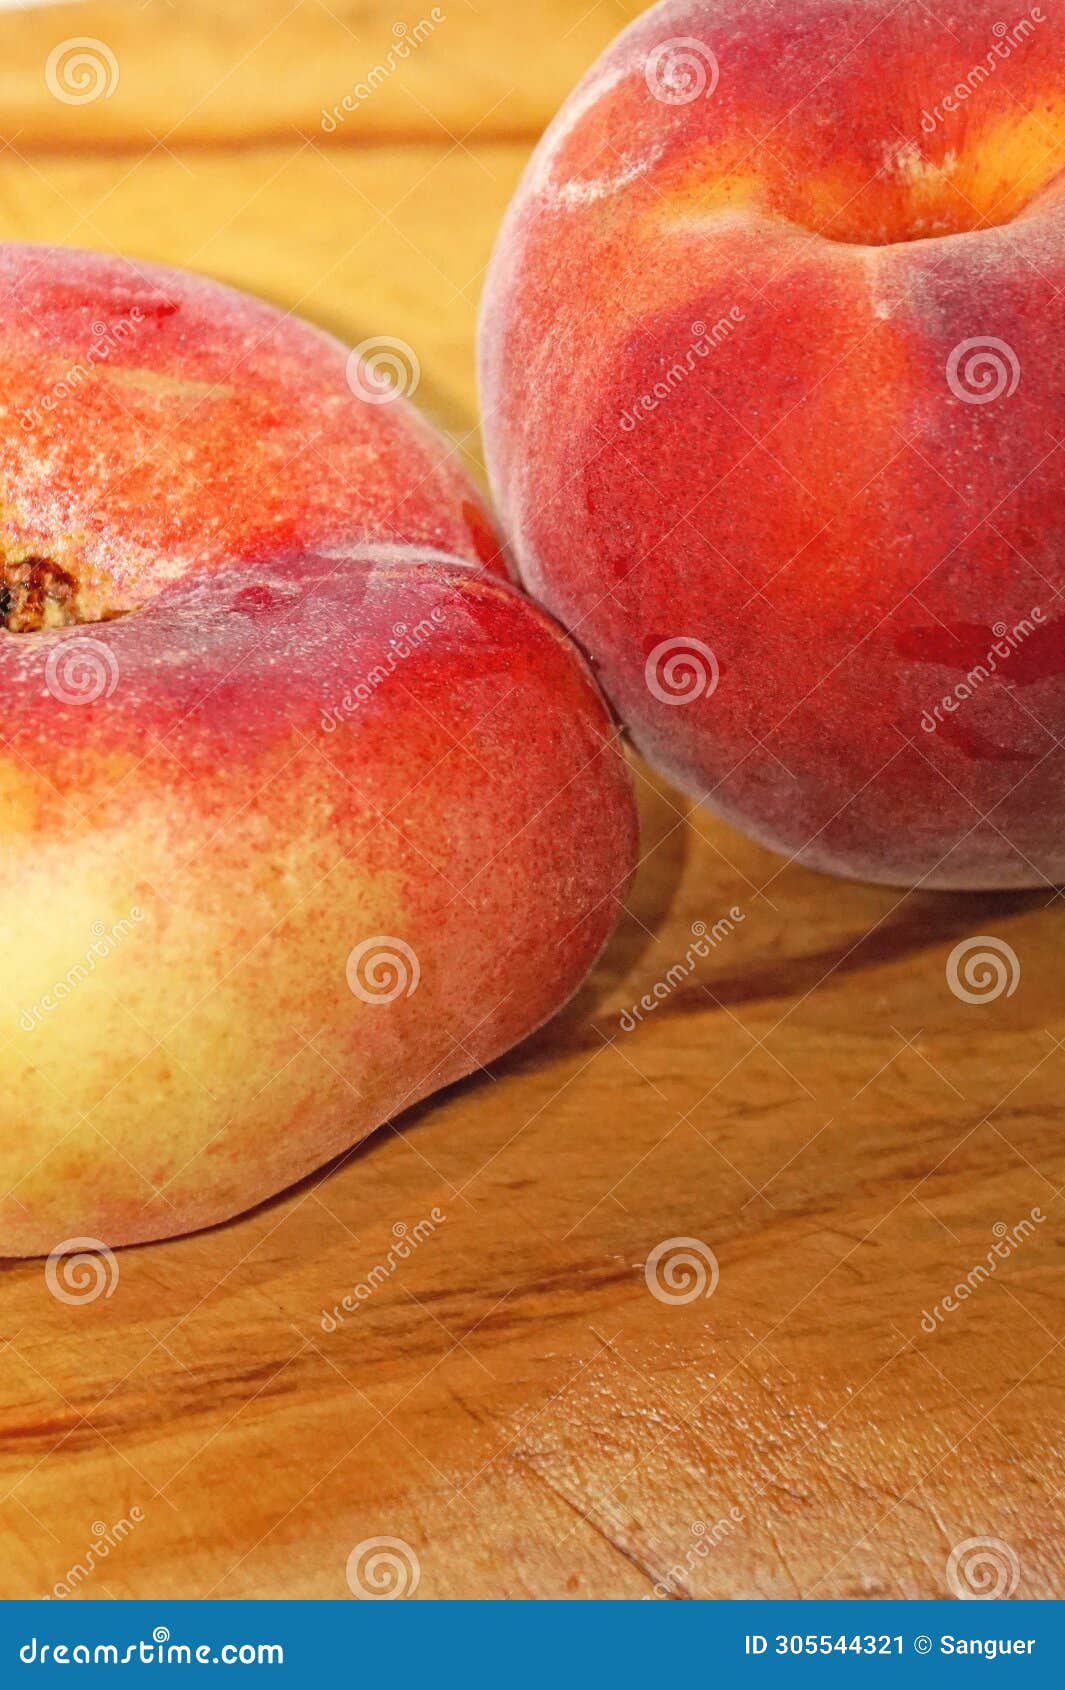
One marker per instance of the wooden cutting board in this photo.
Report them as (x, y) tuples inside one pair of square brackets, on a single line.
[(518, 1398)]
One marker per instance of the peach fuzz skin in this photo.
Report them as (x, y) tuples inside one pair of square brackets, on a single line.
[(720, 406), (312, 720)]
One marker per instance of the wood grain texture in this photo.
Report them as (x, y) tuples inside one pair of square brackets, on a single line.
[(201, 71), (810, 1101)]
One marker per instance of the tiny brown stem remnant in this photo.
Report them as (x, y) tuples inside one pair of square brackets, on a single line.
[(36, 593)]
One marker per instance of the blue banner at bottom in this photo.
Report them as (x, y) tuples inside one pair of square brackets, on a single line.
[(515, 1643)]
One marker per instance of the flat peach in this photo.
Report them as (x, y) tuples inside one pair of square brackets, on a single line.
[(321, 817)]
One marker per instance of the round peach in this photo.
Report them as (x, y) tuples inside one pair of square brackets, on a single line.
[(773, 357)]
